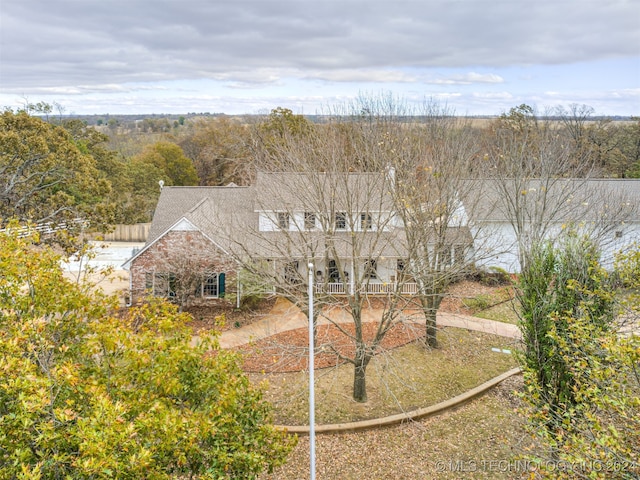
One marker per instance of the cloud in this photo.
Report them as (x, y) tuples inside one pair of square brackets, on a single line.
[(362, 75), (493, 95), (468, 79), (72, 42), (200, 55)]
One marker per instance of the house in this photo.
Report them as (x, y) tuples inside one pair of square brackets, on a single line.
[(202, 238), (345, 225), (183, 237), (608, 210)]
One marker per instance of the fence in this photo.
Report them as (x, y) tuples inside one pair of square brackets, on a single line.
[(128, 233)]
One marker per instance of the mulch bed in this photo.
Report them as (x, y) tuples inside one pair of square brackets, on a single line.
[(226, 316), (289, 352)]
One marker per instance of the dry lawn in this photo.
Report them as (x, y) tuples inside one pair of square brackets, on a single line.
[(482, 439), (399, 380)]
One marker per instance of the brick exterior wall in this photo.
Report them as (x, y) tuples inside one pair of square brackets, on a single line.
[(186, 253)]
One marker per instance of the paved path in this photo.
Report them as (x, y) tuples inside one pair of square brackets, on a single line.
[(284, 316)]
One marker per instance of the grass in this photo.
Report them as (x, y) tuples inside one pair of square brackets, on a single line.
[(403, 379), (502, 312), (497, 305)]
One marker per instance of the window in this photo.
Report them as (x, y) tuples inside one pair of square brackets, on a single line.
[(309, 220), (164, 285), (213, 285), (210, 285), (371, 269), (341, 221), (366, 223), (283, 220)]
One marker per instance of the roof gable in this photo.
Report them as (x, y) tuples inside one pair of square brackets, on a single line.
[(184, 225)]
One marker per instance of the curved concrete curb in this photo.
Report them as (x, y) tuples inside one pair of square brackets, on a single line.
[(403, 417)]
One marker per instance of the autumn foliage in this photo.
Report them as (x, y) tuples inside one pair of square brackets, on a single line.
[(86, 394)]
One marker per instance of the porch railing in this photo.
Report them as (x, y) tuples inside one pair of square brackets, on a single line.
[(370, 289)]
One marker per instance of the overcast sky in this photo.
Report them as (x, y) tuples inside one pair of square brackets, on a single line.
[(249, 56)]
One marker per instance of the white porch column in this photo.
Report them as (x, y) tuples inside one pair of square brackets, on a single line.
[(352, 279)]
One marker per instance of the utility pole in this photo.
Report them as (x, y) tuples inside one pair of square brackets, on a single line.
[(312, 439)]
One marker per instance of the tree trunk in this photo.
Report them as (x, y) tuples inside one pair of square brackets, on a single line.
[(431, 339), (360, 374), (430, 305)]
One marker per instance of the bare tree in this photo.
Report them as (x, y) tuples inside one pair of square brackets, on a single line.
[(192, 270), (219, 150), (543, 186), (526, 160), (433, 160), (313, 208)]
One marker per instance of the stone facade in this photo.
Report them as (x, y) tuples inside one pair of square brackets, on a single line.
[(186, 256)]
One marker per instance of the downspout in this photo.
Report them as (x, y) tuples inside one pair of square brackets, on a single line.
[(130, 301), (238, 291)]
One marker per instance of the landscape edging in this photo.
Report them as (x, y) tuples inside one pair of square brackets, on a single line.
[(403, 417)]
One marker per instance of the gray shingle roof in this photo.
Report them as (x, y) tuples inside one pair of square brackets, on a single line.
[(581, 199), (229, 215), (199, 205), (299, 191)]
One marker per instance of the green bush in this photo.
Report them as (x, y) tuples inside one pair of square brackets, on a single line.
[(492, 276)]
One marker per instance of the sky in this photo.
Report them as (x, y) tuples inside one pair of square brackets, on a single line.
[(476, 57)]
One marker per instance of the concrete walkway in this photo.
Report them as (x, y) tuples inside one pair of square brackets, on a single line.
[(284, 316)]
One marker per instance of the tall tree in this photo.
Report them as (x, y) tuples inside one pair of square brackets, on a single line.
[(339, 221), (45, 177), (433, 158), (220, 150), (581, 376), (528, 167), (560, 282), (170, 159), (627, 164)]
